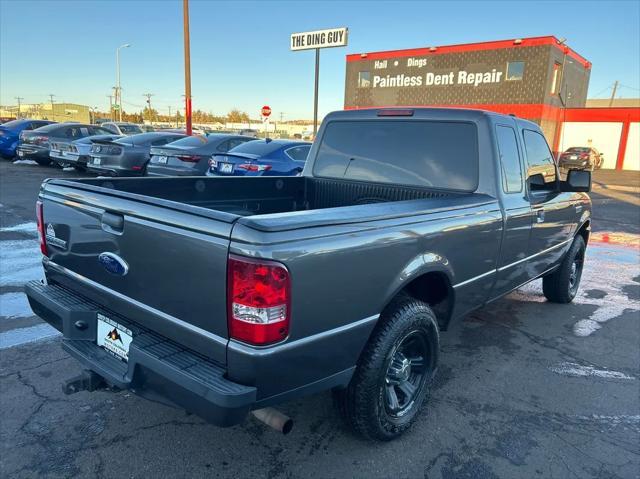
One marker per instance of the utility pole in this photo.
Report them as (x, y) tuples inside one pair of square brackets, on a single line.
[(613, 93), (110, 107), (169, 112), (148, 96), (118, 88), (51, 95), (187, 66), (19, 98)]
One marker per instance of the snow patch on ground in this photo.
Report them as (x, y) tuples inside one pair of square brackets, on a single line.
[(14, 305), (30, 228), (68, 168), (24, 162), (17, 337), (579, 371), (20, 262), (608, 268)]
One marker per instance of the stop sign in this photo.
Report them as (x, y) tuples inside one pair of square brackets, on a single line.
[(266, 111)]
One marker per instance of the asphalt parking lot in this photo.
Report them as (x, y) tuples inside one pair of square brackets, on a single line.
[(525, 388)]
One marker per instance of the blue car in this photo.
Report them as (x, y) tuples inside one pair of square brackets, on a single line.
[(10, 134), (261, 158)]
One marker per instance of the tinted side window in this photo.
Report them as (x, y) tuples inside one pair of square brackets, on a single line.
[(236, 141), (509, 159), (419, 153), (539, 157), (298, 153), (111, 129), (73, 132)]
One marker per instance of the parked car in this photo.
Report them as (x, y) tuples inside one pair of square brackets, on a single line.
[(581, 157), (122, 128), (76, 153), (190, 156), (35, 144), (261, 158), (126, 156), (10, 134), (148, 128), (230, 295)]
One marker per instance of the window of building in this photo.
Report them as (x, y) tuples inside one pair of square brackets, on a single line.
[(515, 70), (555, 81), (364, 79), (509, 159), (539, 157)]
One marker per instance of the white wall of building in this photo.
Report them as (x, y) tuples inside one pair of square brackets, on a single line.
[(632, 153), (603, 136)]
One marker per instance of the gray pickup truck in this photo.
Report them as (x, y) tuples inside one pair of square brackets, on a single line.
[(230, 295)]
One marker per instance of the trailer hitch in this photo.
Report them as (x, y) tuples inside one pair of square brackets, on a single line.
[(86, 381)]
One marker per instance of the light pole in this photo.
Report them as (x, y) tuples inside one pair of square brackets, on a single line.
[(118, 89)]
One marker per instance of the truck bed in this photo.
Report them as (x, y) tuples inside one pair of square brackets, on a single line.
[(255, 196)]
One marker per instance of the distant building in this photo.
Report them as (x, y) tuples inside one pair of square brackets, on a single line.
[(617, 103), (60, 112)]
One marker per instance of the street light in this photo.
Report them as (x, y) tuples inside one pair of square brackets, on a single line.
[(118, 89)]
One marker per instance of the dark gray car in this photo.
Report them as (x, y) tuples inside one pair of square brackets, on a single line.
[(35, 144), (126, 156), (190, 156)]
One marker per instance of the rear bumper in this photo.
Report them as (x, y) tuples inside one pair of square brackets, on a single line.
[(113, 170), (32, 153), (157, 367), (162, 170)]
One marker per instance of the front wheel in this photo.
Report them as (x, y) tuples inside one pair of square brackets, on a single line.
[(561, 286), (393, 373)]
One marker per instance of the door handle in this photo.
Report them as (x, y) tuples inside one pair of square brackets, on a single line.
[(540, 215), (112, 222)]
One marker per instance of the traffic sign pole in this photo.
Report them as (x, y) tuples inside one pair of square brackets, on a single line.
[(315, 95)]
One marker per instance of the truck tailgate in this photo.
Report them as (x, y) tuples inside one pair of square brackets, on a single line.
[(176, 261)]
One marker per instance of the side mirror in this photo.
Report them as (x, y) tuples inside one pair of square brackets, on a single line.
[(536, 182), (578, 181)]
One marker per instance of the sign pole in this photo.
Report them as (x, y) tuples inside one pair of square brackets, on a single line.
[(315, 95), (187, 66)]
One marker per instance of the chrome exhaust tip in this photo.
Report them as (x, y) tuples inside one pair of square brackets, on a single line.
[(274, 419)]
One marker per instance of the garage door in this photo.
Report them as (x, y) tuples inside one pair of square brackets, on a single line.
[(603, 136), (632, 153)]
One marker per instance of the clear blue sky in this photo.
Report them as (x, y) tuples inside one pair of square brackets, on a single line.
[(240, 50)]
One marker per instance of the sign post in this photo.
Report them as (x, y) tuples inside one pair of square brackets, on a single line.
[(333, 37), (266, 113)]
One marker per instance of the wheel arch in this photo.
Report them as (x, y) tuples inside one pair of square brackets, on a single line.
[(427, 278)]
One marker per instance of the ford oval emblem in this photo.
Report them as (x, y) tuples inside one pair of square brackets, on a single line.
[(113, 263)]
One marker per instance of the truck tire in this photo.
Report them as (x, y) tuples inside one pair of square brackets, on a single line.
[(394, 372), (562, 285), (43, 162)]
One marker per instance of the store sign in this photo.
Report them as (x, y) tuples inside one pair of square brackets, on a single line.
[(384, 75), (333, 37)]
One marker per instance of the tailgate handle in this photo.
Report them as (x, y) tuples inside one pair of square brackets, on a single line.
[(112, 222)]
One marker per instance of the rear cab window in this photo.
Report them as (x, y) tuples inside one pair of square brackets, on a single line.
[(424, 153), (509, 159)]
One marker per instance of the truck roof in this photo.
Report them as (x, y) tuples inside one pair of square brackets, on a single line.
[(412, 112)]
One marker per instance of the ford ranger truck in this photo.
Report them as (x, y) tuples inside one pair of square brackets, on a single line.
[(230, 295)]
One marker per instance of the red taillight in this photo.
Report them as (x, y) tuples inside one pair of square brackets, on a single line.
[(41, 232), (39, 140), (258, 300), (188, 158), (254, 167), (584, 156)]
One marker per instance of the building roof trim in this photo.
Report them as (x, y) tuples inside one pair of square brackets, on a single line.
[(470, 47)]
